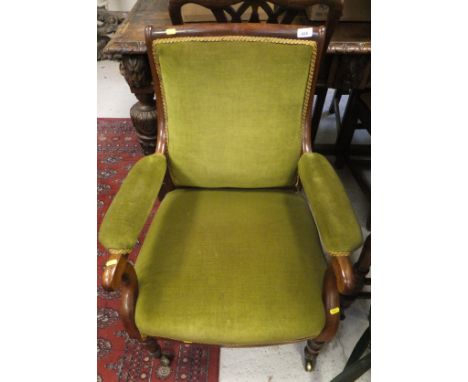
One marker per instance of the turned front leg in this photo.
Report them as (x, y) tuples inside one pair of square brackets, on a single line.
[(136, 71), (311, 351), (119, 274), (331, 302)]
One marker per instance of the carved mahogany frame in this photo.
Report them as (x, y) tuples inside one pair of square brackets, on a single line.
[(120, 274)]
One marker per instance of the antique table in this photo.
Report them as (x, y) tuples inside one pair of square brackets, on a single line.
[(346, 65)]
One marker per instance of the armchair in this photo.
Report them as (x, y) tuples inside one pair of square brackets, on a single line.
[(234, 255)]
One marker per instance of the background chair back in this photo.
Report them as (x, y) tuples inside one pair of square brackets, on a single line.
[(253, 11)]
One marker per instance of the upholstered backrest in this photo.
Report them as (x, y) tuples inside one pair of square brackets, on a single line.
[(235, 108)]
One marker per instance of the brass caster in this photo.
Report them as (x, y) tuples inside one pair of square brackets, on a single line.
[(164, 369), (163, 372), (310, 360), (165, 359)]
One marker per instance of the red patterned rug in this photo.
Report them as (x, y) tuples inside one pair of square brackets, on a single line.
[(120, 358)]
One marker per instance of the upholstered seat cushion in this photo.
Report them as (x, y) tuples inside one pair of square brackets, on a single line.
[(231, 267)]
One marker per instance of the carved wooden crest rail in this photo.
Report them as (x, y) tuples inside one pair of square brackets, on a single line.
[(277, 11)]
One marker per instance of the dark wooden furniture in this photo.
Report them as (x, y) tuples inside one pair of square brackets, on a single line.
[(346, 65), (357, 366), (108, 22), (357, 116), (275, 11), (360, 270)]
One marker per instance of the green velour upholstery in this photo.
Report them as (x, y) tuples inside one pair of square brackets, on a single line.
[(234, 111), (231, 267), (133, 203), (338, 227)]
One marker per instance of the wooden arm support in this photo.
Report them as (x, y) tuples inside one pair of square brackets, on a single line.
[(119, 274), (339, 279), (113, 272), (331, 301), (344, 274)]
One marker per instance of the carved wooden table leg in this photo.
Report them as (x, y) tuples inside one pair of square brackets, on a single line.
[(137, 73)]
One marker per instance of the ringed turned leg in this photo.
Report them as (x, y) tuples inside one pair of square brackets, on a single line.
[(152, 346), (311, 352), (331, 301)]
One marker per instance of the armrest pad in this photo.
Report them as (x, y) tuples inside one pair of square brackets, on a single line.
[(334, 216), (132, 205)]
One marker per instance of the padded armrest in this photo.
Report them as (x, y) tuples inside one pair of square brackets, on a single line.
[(132, 205), (334, 216)]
